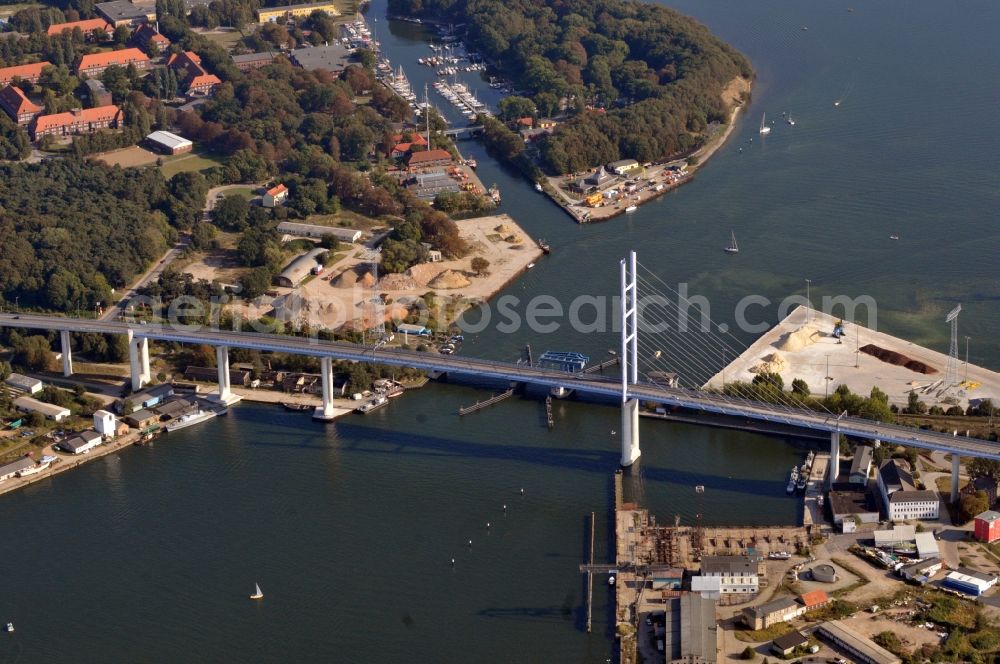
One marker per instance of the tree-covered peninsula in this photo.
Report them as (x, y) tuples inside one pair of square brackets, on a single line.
[(637, 80)]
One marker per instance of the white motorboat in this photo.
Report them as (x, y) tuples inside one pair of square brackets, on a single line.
[(191, 419), (631, 208), (764, 129)]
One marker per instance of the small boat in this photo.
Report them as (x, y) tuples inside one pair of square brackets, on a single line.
[(367, 407), (792, 479), (836, 103), (803, 480), (544, 246), (296, 407), (530, 265), (733, 248), (631, 208), (10, 627), (538, 187), (803, 28), (790, 120), (893, 237), (764, 129), (257, 593)]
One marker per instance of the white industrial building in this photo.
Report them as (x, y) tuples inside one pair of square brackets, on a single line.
[(314, 230), (969, 581), (82, 443), (300, 268), (104, 423), (902, 500), (164, 141), (50, 411), (736, 574), (15, 468), (24, 384)]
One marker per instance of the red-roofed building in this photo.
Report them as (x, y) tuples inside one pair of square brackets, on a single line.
[(189, 69), (77, 121), (30, 72), (428, 159), (94, 64), (87, 27), (21, 109), (814, 600), (275, 196), (146, 34), (402, 148), (525, 123)]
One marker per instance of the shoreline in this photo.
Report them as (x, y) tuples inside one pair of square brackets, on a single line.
[(703, 154)]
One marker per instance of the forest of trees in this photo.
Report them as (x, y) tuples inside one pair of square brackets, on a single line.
[(639, 80), (74, 230)]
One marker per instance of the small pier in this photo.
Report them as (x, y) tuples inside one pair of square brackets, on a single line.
[(610, 362), (590, 578), (479, 405), (548, 413)]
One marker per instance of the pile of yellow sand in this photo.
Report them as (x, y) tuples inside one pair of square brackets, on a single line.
[(801, 338), (450, 279), (345, 279), (423, 273), (773, 363), (502, 229)]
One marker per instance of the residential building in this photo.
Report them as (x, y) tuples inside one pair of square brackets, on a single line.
[(401, 148), (94, 64), (168, 143), (313, 230), (87, 27), (17, 105), (987, 526), (691, 633), (147, 34), (333, 58), (429, 159), (24, 384), (30, 73), (272, 14), (814, 599), (105, 423), (623, 166), (122, 12), (77, 121), (987, 485), (786, 644), (900, 496), (771, 613), (737, 574), (250, 61), (50, 411), (969, 581), (192, 75), (861, 465), (97, 94), (15, 468), (300, 268), (852, 508), (275, 196), (860, 648), (81, 443)]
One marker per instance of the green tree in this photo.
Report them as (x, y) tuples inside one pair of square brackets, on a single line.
[(480, 264), (34, 353), (231, 213), (514, 107), (972, 504), (800, 387), (748, 653), (983, 468)]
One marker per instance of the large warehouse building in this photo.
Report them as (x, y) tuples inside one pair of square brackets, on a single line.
[(168, 143)]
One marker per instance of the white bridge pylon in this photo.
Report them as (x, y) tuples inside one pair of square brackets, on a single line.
[(629, 360)]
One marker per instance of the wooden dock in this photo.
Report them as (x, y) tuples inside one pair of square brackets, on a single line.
[(548, 412), (479, 405), (590, 578), (610, 362)]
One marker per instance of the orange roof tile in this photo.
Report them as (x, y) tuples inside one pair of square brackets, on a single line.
[(204, 80), (14, 99), (428, 155), (108, 58), (88, 25), (416, 138), (278, 189), (99, 114), (34, 70), (814, 598)]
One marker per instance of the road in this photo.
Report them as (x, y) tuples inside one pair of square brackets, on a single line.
[(114, 312), (585, 383)]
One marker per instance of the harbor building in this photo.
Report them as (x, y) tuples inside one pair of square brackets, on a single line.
[(851, 509), (969, 581), (786, 644), (15, 468), (732, 574), (861, 465), (987, 528), (300, 268), (860, 648), (81, 443), (313, 230), (771, 613), (902, 500), (50, 411), (690, 633), (24, 384)]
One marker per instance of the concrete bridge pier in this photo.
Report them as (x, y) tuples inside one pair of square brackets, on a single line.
[(325, 412), (138, 357), (955, 467), (834, 469), (222, 362), (67, 353), (630, 432)]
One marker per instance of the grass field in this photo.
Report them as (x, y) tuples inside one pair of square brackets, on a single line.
[(345, 219), (226, 39), (245, 192), (192, 161)]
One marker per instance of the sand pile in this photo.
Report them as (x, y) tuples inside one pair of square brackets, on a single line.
[(450, 279), (773, 363), (345, 279), (503, 229), (291, 307), (801, 338), (367, 280), (397, 282), (514, 239), (423, 273)]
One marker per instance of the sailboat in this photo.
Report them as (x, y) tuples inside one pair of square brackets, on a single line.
[(790, 120), (733, 248), (764, 129), (257, 594)]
